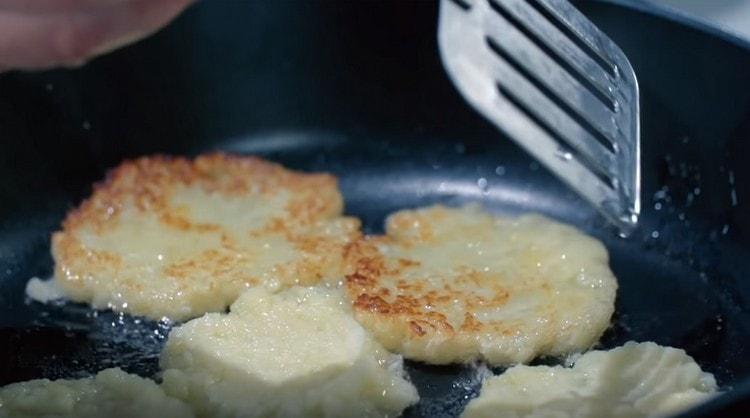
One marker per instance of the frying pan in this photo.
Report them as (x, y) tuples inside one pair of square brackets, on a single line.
[(357, 89)]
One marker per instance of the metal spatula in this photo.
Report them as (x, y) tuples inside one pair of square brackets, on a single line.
[(554, 83)]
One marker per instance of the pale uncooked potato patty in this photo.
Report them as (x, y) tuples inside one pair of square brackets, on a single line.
[(455, 285), (173, 237), (111, 393), (295, 353), (637, 380)]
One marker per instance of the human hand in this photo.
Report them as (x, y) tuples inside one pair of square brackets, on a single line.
[(39, 34)]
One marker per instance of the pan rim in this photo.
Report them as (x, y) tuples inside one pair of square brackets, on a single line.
[(681, 18)]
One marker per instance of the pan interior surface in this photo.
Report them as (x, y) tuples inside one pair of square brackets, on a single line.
[(375, 108)]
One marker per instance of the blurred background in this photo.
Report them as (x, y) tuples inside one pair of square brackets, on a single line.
[(730, 15)]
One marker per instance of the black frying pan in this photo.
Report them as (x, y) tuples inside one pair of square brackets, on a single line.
[(357, 89)]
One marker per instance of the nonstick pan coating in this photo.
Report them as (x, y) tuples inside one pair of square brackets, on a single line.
[(357, 89)]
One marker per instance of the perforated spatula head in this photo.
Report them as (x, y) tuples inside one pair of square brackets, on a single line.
[(548, 78)]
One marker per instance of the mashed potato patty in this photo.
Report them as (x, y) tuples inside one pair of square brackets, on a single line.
[(296, 353), (111, 393), (456, 285), (637, 380), (173, 237)]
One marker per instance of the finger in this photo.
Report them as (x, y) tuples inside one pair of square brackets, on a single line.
[(135, 20), (32, 41), (40, 41), (55, 6)]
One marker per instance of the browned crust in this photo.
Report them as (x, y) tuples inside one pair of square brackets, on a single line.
[(149, 181), (407, 305)]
